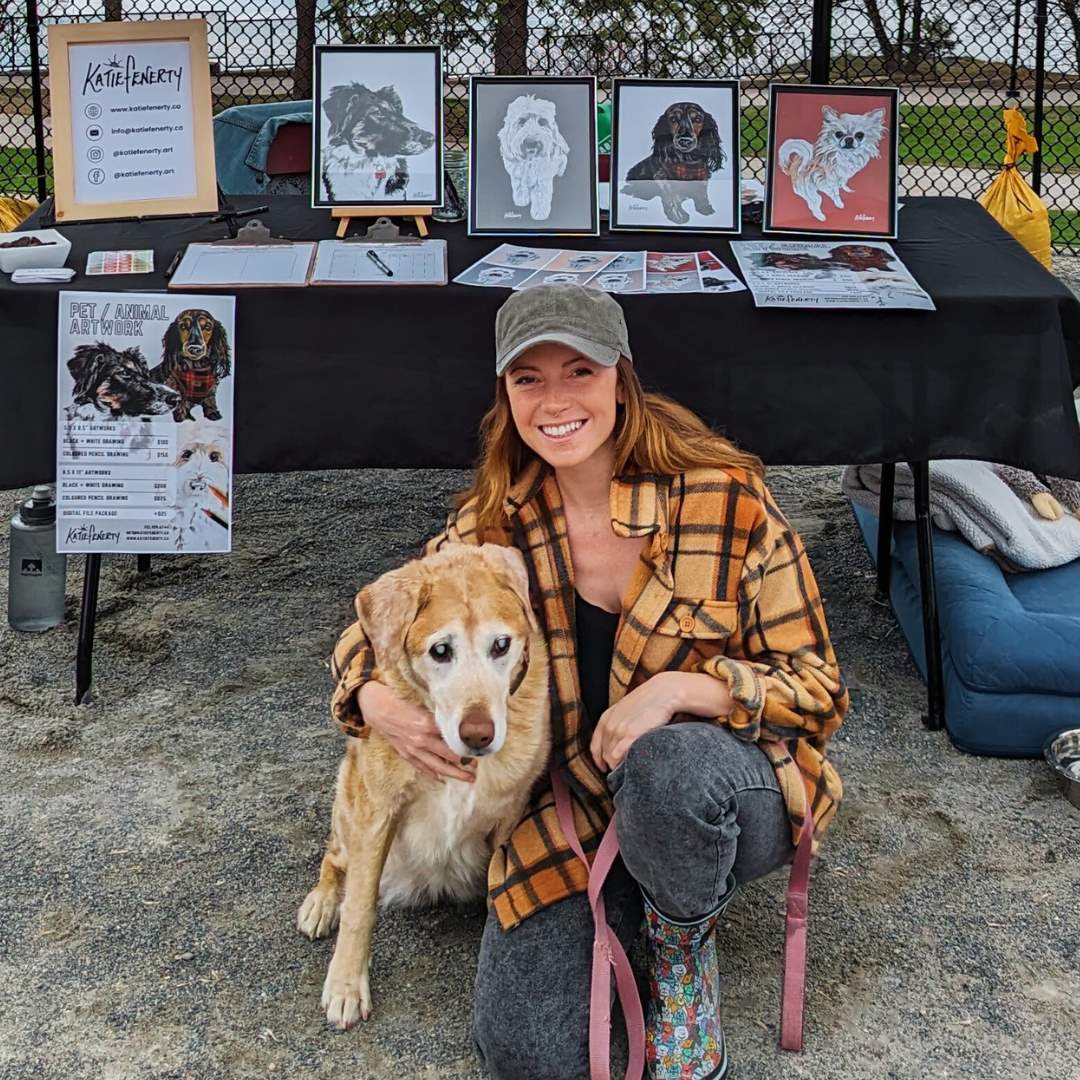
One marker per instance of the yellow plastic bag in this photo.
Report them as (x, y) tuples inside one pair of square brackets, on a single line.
[(1011, 201), (14, 211)]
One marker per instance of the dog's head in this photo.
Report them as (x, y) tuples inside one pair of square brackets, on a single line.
[(529, 132), (457, 628), (858, 132), (791, 260), (495, 275), (686, 130), (196, 340), (616, 282), (373, 122), (117, 382), (861, 257)]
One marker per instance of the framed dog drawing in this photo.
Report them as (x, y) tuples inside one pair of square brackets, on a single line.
[(831, 160), (675, 155), (532, 156), (378, 126)]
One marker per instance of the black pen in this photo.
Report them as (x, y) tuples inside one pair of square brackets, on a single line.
[(175, 262), (379, 263)]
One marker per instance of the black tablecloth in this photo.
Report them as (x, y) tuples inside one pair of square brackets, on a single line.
[(399, 376)]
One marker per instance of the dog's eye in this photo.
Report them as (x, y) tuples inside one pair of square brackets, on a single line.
[(185, 455), (501, 645), (858, 134), (441, 653), (215, 456)]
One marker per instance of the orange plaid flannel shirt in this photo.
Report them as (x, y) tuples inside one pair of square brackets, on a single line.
[(724, 587)]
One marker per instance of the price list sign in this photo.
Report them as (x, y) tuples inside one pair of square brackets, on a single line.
[(144, 422)]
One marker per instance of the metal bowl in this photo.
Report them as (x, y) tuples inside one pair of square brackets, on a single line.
[(1062, 751)]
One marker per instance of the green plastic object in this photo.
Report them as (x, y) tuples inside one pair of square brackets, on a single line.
[(603, 127)]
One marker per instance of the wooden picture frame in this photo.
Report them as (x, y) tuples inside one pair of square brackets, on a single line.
[(705, 198), (92, 140), (830, 197)]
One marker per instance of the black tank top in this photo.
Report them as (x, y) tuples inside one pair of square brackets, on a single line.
[(595, 645)]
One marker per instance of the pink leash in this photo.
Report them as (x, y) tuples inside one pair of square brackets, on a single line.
[(608, 952)]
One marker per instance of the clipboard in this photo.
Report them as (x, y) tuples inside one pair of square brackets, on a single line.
[(359, 260), (252, 259)]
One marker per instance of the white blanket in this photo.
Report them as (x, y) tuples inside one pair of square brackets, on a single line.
[(969, 497)]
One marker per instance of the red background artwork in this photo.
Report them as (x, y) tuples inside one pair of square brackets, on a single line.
[(867, 209)]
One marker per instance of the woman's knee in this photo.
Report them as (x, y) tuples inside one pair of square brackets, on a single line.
[(522, 1045)]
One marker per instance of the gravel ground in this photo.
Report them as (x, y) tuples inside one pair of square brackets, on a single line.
[(155, 843)]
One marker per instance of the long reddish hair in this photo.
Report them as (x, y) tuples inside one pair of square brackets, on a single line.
[(653, 434)]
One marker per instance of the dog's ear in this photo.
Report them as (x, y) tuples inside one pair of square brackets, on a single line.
[(170, 342), (388, 607), (135, 354), (84, 367), (561, 149), (876, 115), (219, 350), (829, 114), (712, 148), (391, 97), (661, 135), (509, 564)]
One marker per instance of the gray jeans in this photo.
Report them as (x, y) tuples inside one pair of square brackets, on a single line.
[(695, 805)]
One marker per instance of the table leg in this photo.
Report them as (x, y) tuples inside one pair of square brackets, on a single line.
[(87, 620), (935, 717), (884, 535), (142, 564)]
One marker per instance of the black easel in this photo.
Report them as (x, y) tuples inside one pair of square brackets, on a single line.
[(229, 215)]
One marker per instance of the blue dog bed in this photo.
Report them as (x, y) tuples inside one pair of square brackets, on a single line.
[(1010, 643)]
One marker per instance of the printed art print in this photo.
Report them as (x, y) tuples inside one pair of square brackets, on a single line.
[(532, 156), (831, 160), (675, 155), (144, 422), (378, 125), (828, 274)]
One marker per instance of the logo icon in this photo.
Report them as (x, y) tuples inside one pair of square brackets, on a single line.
[(96, 176), (93, 131), (31, 568), (95, 153), (92, 111)]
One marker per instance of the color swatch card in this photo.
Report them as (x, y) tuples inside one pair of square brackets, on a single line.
[(120, 262)]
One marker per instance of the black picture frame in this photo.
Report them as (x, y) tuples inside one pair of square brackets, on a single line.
[(778, 90), (615, 224), (318, 199), (529, 84)]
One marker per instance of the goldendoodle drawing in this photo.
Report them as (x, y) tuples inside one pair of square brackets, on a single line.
[(532, 150)]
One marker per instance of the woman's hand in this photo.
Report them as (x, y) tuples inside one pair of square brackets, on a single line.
[(652, 705), (412, 732), (648, 706)]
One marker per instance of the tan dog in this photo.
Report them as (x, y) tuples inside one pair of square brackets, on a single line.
[(454, 633)]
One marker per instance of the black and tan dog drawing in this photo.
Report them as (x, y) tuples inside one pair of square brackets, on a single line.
[(367, 143), (195, 358), (112, 383), (686, 151)]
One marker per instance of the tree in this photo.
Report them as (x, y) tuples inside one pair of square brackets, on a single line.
[(698, 36)]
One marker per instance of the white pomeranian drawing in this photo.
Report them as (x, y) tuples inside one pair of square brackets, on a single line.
[(202, 492), (846, 144)]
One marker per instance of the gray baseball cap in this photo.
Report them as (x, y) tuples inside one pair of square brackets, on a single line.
[(588, 320)]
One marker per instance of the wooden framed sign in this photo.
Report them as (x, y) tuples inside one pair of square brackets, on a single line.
[(132, 119)]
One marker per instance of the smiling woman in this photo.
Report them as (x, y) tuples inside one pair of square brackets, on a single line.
[(693, 685)]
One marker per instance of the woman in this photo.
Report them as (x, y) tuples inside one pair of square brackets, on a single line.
[(694, 686)]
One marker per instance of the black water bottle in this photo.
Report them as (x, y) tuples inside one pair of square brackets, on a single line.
[(36, 572)]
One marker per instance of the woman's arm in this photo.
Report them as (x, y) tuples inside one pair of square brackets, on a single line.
[(779, 667)]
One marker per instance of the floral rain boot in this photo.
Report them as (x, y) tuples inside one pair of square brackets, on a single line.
[(683, 1036)]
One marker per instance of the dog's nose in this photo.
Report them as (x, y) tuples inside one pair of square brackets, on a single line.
[(477, 729)]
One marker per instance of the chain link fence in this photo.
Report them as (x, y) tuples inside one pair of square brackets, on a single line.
[(956, 62)]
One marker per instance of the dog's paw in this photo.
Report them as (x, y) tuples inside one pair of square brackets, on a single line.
[(213, 414), (318, 914), (346, 1000)]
